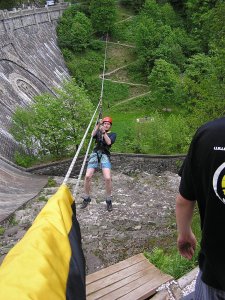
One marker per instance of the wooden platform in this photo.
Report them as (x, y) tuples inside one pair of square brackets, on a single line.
[(132, 279)]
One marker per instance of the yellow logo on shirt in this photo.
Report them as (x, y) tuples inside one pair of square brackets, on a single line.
[(219, 182)]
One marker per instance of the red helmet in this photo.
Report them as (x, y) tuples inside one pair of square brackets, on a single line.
[(107, 119)]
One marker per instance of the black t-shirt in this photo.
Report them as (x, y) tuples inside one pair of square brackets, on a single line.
[(203, 179), (101, 144)]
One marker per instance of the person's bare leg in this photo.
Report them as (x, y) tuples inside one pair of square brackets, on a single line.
[(108, 181), (87, 187), (108, 187), (87, 181)]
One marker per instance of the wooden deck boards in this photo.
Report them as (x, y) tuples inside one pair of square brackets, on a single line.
[(132, 279)]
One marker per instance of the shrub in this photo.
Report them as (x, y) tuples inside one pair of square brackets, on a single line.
[(159, 135), (53, 125), (75, 32)]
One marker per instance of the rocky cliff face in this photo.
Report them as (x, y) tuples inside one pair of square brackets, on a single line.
[(30, 63)]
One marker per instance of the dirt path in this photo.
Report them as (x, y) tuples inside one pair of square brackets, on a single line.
[(122, 21), (121, 68), (121, 44), (130, 99), (124, 82)]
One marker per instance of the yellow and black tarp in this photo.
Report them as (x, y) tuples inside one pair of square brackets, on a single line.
[(48, 262)]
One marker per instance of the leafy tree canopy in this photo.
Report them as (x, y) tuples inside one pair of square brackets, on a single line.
[(8, 4), (74, 31), (103, 15), (53, 125), (161, 13), (165, 83), (135, 5)]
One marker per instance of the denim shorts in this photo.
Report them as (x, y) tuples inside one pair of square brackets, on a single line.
[(206, 292), (99, 160)]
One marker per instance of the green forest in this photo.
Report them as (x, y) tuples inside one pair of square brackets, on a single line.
[(164, 75)]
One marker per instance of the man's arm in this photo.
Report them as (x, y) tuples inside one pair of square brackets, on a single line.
[(94, 132), (186, 240), (104, 133), (107, 138)]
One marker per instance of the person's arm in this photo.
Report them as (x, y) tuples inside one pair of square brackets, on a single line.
[(94, 132), (106, 138), (186, 240)]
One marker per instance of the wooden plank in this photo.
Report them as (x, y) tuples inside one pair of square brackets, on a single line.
[(132, 279), (144, 291), (106, 290), (117, 276), (114, 268), (140, 289)]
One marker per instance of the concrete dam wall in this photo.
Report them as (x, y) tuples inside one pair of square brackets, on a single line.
[(30, 63)]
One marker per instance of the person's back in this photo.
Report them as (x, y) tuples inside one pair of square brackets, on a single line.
[(203, 179)]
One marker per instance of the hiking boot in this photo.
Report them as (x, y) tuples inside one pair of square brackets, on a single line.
[(85, 202), (109, 205)]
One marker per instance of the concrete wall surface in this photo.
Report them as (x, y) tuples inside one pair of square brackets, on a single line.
[(122, 162), (30, 63)]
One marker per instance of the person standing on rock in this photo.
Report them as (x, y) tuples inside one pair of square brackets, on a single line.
[(203, 180), (100, 156)]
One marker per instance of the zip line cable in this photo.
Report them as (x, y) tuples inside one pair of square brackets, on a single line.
[(99, 106), (82, 168), (99, 117), (103, 73), (79, 148)]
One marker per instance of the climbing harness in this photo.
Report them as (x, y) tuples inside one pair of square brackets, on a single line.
[(99, 155)]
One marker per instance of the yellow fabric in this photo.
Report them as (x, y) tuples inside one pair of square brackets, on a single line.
[(37, 267)]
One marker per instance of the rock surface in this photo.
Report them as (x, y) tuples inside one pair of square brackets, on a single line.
[(142, 217)]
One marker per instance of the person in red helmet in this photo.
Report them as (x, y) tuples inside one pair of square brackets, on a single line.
[(100, 157)]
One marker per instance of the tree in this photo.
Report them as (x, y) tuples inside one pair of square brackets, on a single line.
[(165, 83), (8, 4), (74, 31), (204, 87), (152, 10), (135, 5), (147, 41), (53, 125), (178, 5), (213, 29), (158, 36), (103, 15), (161, 13), (170, 17), (81, 31), (195, 12), (169, 49), (198, 67)]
